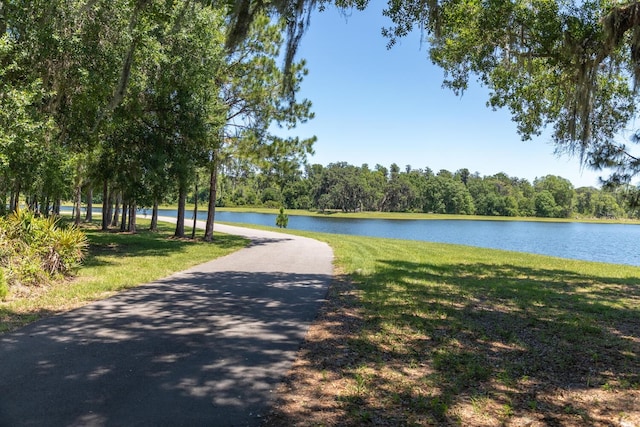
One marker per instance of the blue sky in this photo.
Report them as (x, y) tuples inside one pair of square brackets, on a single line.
[(375, 105)]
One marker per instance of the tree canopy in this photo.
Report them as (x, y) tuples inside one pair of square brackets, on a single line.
[(134, 97), (139, 94), (572, 66), (349, 188)]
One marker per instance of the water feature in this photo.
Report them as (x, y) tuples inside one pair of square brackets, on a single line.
[(612, 243)]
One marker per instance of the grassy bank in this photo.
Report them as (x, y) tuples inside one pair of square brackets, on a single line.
[(398, 215), (419, 333), (115, 261), (420, 216)]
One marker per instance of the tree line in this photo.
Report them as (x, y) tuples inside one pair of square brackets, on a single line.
[(134, 100), (140, 100), (348, 188)]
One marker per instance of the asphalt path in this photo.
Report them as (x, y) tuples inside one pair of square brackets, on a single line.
[(204, 347)]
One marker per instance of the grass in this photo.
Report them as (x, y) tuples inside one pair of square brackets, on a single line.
[(116, 261), (419, 333)]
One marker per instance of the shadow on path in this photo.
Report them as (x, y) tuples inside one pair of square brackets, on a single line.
[(198, 348)]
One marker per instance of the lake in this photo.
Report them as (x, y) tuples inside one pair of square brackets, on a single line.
[(611, 243)]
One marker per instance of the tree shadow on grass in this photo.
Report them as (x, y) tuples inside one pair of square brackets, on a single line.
[(475, 344), (106, 247), (146, 243)]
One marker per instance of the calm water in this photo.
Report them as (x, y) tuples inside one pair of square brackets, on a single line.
[(612, 243)]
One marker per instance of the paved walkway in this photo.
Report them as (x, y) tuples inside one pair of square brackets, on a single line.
[(204, 347)]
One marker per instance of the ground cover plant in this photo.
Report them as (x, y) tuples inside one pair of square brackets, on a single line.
[(114, 262), (418, 333), (34, 251)]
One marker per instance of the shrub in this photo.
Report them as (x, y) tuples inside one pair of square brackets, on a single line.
[(66, 250), (33, 249), (272, 204)]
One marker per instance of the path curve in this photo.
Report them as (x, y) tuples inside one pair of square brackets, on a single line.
[(203, 347)]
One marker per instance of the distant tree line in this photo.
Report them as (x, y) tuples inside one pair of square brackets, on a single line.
[(349, 188)]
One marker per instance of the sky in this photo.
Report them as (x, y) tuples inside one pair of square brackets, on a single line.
[(381, 106)]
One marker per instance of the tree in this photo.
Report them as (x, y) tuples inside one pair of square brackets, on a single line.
[(585, 201), (571, 65), (342, 186), (399, 193), (562, 192), (606, 206), (444, 194), (545, 204), (255, 94), (154, 140), (282, 220), (501, 195)]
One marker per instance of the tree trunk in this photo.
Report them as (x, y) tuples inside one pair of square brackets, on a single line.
[(45, 206), (116, 210), (106, 203), (15, 198), (182, 200), (109, 212), (195, 212), (32, 202), (56, 207), (125, 73), (211, 209), (154, 217), (89, 216), (123, 223), (132, 217), (3, 19), (77, 205)]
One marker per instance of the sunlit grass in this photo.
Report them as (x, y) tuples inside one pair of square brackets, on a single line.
[(116, 261)]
